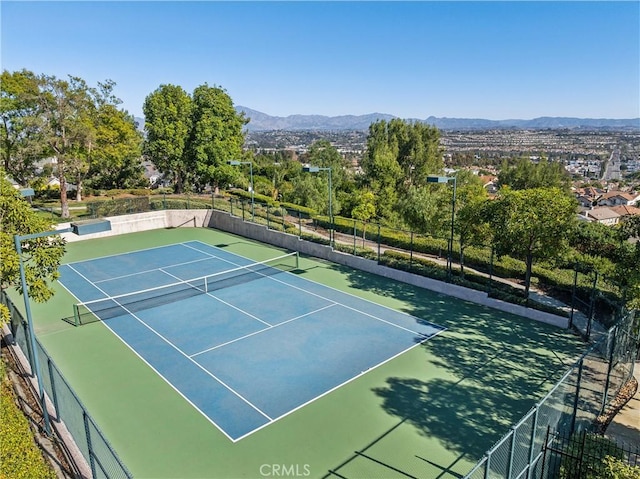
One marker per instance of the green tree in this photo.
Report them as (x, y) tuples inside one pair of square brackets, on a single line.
[(216, 135), (364, 210), (627, 269), (66, 107), (526, 174), (469, 225), (426, 209), (168, 119), (277, 168), (114, 162), (21, 129), (399, 155), (382, 172), (323, 154), (531, 225), (41, 256)]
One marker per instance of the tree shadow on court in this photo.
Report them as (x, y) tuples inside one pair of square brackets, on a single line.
[(489, 367)]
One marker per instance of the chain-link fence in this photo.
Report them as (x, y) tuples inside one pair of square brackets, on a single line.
[(101, 457), (573, 405)]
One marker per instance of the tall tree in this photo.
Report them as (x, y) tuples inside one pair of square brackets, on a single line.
[(216, 135), (531, 225), (21, 128), (469, 225), (168, 120), (41, 256), (399, 155), (66, 106), (115, 159)]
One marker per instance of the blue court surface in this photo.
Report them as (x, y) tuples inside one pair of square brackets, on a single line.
[(247, 351)]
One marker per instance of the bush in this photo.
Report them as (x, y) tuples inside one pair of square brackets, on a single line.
[(306, 212), (20, 457), (591, 456)]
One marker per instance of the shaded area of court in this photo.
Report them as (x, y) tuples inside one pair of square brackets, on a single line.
[(430, 412)]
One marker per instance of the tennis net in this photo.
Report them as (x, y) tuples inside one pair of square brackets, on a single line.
[(131, 303)]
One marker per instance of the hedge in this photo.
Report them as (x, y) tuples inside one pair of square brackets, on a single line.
[(20, 457)]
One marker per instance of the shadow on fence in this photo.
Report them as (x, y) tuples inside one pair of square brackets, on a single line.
[(572, 406)]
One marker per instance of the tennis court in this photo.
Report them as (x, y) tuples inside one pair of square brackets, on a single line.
[(244, 343), (426, 409)]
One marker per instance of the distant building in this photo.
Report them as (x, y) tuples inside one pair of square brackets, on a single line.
[(624, 210), (603, 215)]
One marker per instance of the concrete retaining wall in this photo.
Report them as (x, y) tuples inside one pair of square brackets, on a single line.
[(151, 220), (226, 222)]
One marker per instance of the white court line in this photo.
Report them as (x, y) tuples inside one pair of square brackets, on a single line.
[(344, 383), (181, 352), (224, 302), (157, 269), (263, 330), (437, 326), (438, 329), (124, 253)]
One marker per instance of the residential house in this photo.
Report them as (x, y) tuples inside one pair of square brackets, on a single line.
[(603, 215), (616, 198), (624, 210)]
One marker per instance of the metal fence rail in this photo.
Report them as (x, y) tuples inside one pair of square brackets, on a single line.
[(584, 455), (95, 448), (573, 405)]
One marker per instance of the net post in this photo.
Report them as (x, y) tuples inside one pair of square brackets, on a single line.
[(297, 260), (76, 315)]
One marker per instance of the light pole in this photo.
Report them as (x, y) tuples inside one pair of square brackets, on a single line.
[(250, 163), (76, 228), (446, 179), (316, 169)]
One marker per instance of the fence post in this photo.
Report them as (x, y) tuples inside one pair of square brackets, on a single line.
[(488, 468), (511, 449), (242, 204), (92, 461), (268, 224), (299, 224), (354, 237), (613, 331), (532, 444), (378, 242), (54, 394), (577, 398), (30, 351), (573, 294), (411, 253), (592, 305)]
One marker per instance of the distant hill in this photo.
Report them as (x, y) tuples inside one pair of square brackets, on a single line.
[(261, 122)]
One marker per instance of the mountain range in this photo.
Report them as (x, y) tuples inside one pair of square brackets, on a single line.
[(264, 122)]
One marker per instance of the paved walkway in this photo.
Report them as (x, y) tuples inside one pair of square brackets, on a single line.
[(625, 426)]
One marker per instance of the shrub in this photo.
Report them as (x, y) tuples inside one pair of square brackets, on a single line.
[(19, 455)]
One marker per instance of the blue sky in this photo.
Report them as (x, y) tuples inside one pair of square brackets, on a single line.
[(496, 60)]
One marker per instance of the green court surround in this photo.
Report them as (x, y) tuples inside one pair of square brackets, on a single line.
[(431, 412)]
